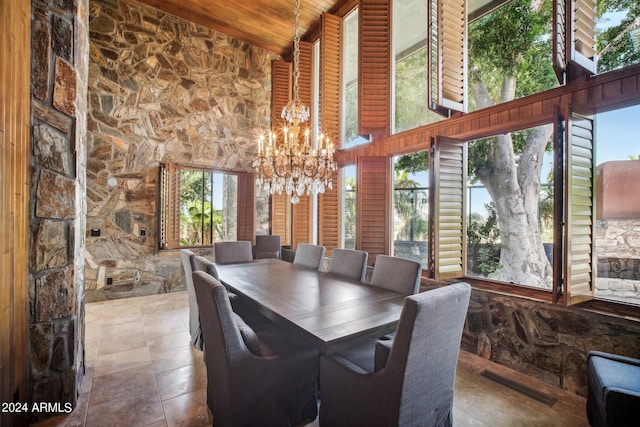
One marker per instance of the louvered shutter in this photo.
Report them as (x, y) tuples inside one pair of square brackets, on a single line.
[(574, 38), (301, 227), (329, 204), (579, 242), (245, 195), (373, 222), (374, 59), (170, 200), (281, 87), (448, 207), (301, 230), (447, 82)]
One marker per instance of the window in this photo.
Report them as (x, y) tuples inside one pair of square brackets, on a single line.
[(618, 36), (349, 207), (349, 91), (509, 51), (201, 206), (501, 206), (410, 207), (410, 66), (618, 215)]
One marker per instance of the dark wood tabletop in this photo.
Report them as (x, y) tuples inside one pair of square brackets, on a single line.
[(332, 311)]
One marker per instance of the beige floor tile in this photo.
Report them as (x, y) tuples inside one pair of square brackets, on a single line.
[(122, 384), (140, 410), (167, 342), (174, 358), (188, 410), (120, 343), (121, 361), (182, 380)]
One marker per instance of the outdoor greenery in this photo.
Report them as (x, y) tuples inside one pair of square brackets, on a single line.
[(199, 221)]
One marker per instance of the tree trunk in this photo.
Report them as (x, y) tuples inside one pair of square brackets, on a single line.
[(513, 182)]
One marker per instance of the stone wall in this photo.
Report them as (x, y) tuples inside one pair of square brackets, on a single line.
[(618, 260), (161, 89), (544, 340), (60, 50)]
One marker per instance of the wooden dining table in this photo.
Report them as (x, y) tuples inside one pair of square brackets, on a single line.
[(332, 311)]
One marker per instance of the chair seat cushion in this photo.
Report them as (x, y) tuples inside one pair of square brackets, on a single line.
[(607, 374)]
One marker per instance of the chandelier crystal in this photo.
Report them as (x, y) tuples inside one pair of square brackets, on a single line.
[(288, 161)]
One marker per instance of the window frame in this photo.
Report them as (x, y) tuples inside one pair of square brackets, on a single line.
[(169, 204)]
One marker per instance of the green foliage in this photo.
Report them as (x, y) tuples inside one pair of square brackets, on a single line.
[(411, 98), (615, 48), (413, 162), (485, 235)]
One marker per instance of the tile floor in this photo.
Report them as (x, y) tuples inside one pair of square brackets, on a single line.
[(142, 371)]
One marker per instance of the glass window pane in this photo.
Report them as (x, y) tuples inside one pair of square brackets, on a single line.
[(510, 53), (510, 221), (350, 135), (349, 207), (410, 65), (618, 35), (617, 211), (410, 207)]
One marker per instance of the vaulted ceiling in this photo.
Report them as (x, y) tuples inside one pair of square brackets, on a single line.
[(269, 24)]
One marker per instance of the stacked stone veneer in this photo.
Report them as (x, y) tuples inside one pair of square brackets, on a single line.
[(161, 89), (60, 51), (618, 258), (544, 340)]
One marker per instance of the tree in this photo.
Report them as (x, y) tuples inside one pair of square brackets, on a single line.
[(615, 45), (510, 57), (415, 226)]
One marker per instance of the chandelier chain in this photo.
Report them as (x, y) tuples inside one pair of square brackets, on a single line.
[(296, 51), (293, 160)]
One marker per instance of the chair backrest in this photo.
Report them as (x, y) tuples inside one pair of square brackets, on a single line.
[(422, 363), (267, 246), (348, 263), (188, 264), (222, 342), (232, 252), (397, 274), (203, 264), (309, 255)]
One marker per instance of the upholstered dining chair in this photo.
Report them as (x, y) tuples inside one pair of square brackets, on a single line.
[(613, 393), (406, 381), (203, 264), (308, 255), (396, 274), (232, 252), (348, 263), (254, 378), (187, 257), (267, 247)]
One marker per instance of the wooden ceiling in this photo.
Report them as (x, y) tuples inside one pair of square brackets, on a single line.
[(268, 24)]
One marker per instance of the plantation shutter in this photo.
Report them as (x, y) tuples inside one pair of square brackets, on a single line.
[(301, 227), (329, 204), (447, 55), (579, 217), (245, 195), (574, 38), (170, 199), (373, 222), (281, 87), (374, 65), (448, 207)]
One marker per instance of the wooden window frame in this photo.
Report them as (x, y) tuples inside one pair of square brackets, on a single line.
[(169, 204)]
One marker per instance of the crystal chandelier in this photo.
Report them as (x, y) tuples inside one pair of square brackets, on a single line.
[(288, 161)]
